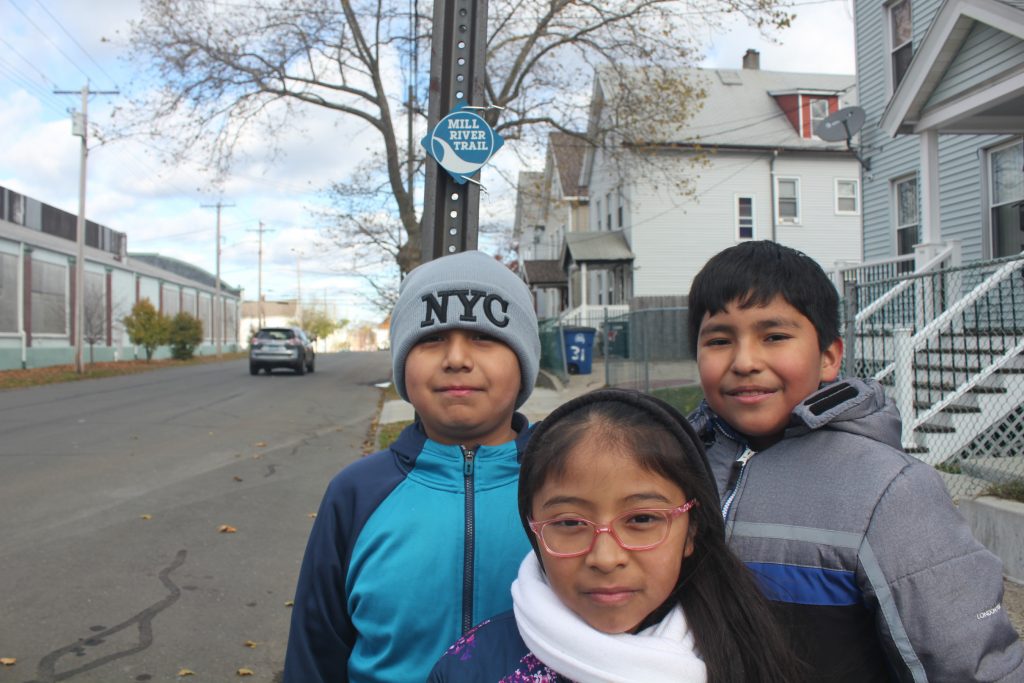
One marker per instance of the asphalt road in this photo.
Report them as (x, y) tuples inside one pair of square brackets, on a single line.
[(112, 492)]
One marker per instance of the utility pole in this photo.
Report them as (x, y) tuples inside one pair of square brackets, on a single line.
[(80, 127), (218, 305), (298, 276), (259, 275), (451, 211)]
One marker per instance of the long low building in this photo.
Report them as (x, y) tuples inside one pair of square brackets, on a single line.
[(38, 251)]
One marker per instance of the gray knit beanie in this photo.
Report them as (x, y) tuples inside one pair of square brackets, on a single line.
[(472, 291)]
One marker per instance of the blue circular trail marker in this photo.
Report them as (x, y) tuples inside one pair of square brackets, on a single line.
[(461, 143)]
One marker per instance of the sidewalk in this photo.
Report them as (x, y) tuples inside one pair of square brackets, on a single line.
[(541, 402)]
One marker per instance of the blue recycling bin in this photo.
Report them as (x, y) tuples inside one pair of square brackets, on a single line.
[(579, 349)]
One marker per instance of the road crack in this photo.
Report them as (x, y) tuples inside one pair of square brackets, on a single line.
[(47, 668)]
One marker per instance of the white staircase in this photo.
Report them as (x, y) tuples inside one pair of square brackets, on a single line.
[(949, 348)]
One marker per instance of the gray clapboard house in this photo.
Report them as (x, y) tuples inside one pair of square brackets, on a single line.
[(940, 299)]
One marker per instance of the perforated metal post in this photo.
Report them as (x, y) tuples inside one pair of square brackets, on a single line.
[(451, 211)]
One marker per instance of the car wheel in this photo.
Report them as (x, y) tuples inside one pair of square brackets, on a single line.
[(254, 369), (312, 364), (300, 369)]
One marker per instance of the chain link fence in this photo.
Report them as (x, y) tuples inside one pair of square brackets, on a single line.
[(947, 345)]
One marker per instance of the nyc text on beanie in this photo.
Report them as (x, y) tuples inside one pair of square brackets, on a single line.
[(468, 291)]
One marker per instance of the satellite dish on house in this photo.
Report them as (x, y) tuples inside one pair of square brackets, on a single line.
[(840, 125)]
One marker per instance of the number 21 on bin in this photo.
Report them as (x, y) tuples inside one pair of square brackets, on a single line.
[(579, 352)]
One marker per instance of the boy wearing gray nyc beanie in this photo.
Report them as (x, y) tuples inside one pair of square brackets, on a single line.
[(415, 544), (467, 291)]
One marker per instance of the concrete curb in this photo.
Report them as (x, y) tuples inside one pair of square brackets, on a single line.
[(998, 524)]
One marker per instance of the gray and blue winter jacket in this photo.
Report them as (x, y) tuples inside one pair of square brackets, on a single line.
[(411, 547), (872, 571)]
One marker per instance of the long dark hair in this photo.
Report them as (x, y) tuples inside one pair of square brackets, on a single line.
[(733, 628)]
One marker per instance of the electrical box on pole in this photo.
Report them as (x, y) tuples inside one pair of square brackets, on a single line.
[(458, 138)]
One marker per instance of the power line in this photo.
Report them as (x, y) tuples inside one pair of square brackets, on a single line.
[(34, 89), (48, 38), (68, 34)]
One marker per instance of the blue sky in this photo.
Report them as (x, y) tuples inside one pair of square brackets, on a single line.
[(49, 45)]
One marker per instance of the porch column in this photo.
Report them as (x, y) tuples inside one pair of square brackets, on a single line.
[(584, 300), (931, 229)]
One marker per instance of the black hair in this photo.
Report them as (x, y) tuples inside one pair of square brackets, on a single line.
[(754, 273), (733, 627)]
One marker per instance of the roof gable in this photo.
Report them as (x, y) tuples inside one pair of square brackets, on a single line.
[(946, 35), (748, 107)]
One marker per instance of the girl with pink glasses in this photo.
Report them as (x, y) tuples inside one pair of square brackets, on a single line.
[(630, 579)]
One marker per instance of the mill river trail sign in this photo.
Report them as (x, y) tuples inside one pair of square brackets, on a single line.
[(461, 143)]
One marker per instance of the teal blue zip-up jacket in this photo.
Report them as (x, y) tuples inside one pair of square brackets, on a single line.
[(411, 547)]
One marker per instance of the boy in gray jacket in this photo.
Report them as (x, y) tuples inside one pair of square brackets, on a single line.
[(873, 572)]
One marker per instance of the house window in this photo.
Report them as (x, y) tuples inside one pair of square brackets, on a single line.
[(847, 197), (819, 111), (900, 34), (599, 215), (1006, 168), (618, 208), (49, 298), (907, 224), (8, 293), (608, 208), (788, 192), (744, 218)]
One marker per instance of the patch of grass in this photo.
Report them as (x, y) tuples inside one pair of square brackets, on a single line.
[(1010, 490), (386, 434), (55, 374), (684, 399), (390, 393)]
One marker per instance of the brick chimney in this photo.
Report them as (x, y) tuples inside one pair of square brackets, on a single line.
[(752, 60)]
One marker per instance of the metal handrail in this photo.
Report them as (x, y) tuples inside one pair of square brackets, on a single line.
[(929, 267)]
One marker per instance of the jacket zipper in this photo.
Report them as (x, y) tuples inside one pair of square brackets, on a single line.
[(739, 473), (467, 566)]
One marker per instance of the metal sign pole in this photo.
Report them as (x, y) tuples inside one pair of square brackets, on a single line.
[(451, 210)]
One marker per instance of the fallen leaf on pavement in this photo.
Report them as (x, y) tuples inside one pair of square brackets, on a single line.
[(261, 444), (249, 644), (226, 529), (238, 478), (312, 515), (8, 661), (245, 672), (289, 603), (147, 516), (186, 672)]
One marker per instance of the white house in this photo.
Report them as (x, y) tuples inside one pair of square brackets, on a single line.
[(549, 205), (745, 165)]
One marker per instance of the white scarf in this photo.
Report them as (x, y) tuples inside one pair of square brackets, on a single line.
[(663, 653)]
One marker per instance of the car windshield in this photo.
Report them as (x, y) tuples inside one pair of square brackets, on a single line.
[(275, 334)]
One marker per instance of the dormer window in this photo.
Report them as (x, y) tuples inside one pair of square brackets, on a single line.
[(819, 110), (805, 109)]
